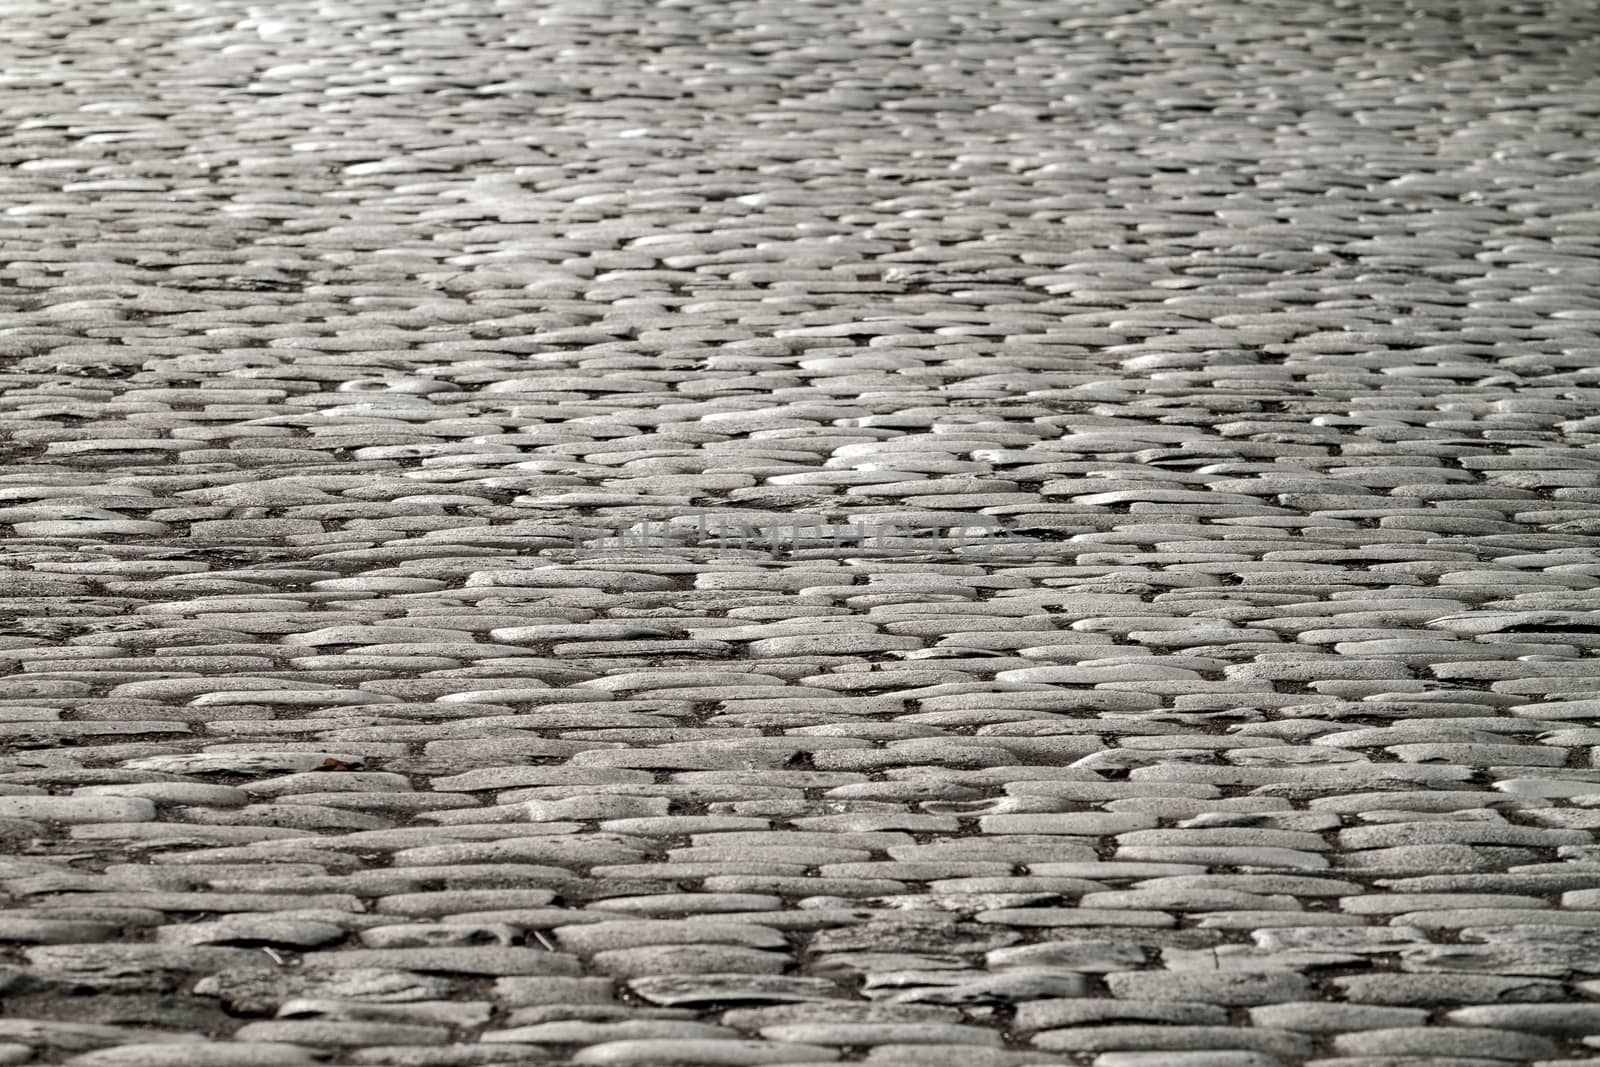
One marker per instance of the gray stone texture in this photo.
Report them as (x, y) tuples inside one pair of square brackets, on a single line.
[(942, 534)]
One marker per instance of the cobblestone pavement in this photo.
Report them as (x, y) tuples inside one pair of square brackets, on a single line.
[(947, 533)]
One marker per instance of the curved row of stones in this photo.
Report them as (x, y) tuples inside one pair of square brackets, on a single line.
[(972, 534)]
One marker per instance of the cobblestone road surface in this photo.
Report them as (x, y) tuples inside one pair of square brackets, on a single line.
[(948, 533)]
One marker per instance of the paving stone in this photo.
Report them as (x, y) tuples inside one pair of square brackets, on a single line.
[(1186, 1059), (1087, 956), (687, 959), (1431, 989), (1483, 1042), (476, 961), (464, 1055), (1235, 989), (952, 1056), (1141, 1038), (78, 809), (706, 989), (1052, 1013), (692, 1051), (341, 1033), (199, 1054), (1321, 1018), (879, 1033), (939, 932), (1406, 1061), (113, 965), (585, 1032), (251, 930), (1558, 1020), (854, 1011), (940, 987), (767, 534), (465, 1014)]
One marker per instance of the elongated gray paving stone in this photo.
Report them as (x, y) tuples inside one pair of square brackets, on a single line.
[(677, 990), (200, 1054), (729, 1053)]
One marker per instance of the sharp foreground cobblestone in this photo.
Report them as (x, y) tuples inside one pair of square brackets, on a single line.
[(940, 533)]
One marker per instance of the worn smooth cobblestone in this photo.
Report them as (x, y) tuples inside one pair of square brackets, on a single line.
[(937, 534)]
